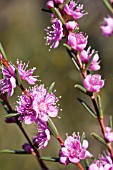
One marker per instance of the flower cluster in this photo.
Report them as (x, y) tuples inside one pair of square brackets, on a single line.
[(9, 81), (103, 163), (38, 107), (66, 26), (35, 105), (73, 151)]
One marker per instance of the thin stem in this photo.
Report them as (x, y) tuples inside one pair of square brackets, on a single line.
[(60, 140), (102, 125), (108, 6), (35, 152), (80, 166)]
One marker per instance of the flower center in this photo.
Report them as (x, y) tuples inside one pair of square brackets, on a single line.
[(73, 152), (95, 80), (43, 106)]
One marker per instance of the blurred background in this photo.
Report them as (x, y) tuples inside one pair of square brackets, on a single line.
[(22, 35)]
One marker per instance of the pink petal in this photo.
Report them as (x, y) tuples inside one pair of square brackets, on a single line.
[(52, 111)]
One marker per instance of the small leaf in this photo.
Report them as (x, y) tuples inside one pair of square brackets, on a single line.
[(50, 159), (51, 87), (90, 60), (46, 10), (11, 115), (87, 108), (18, 78), (73, 58), (4, 106), (58, 14), (7, 151), (52, 128), (67, 46), (82, 89), (100, 106), (99, 138), (82, 137), (86, 163), (110, 124), (3, 52)]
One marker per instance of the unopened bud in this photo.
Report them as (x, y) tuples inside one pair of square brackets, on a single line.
[(27, 148), (71, 25), (50, 4), (1, 57), (59, 1)]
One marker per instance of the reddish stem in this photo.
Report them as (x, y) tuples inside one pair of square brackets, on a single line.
[(60, 140), (102, 125), (80, 166)]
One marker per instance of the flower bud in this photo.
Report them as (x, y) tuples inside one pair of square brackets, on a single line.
[(1, 57), (27, 148), (10, 120), (71, 25), (59, 1), (50, 4)]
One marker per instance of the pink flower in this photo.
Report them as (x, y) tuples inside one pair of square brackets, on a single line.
[(109, 134), (71, 25), (43, 136), (93, 83), (73, 151), (74, 10), (8, 83), (26, 74), (107, 26), (85, 57), (40, 105), (54, 33), (77, 41), (103, 163)]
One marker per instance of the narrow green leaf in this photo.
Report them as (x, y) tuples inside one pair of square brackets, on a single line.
[(50, 159), (72, 56), (87, 108), (110, 124), (97, 137), (67, 46), (108, 6), (11, 115), (100, 106), (86, 163), (3, 52), (4, 106), (7, 151), (52, 128), (51, 87), (90, 60), (82, 89), (46, 10), (58, 14), (82, 137), (19, 81)]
